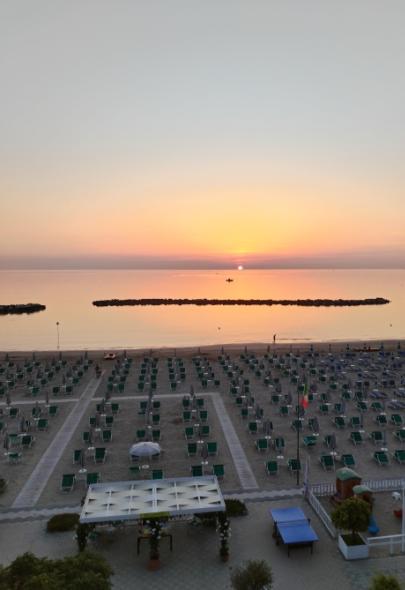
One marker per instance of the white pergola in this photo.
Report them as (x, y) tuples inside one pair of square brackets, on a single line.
[(134, 500)]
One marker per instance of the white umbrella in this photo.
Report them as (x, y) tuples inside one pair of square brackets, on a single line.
[(144, 449)]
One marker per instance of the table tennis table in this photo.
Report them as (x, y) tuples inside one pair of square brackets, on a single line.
[(293, 528)]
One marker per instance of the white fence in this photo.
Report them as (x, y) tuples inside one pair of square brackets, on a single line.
[(321, 512), (395, 543), (376, 485)]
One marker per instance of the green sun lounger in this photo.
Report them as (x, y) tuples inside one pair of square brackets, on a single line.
[(377, 437), (262, 444), (106, 436), (399, 456), (348, 460), (197, 471), (327, 462), (356, 437), (396, 419), (382, 458), (219, 471), (92, 478), (212, 449), (400, 435), (189, 432), (294, 465), (77, 456), (310, 440), (271, 467), (100, 454), (68, 482), (157, 474)]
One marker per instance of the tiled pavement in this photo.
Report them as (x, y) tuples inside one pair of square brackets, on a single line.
[(194, 563)]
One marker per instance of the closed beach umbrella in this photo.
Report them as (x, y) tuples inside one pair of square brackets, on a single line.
[(144, 449)]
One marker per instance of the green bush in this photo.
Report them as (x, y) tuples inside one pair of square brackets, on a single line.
[(383, 582), (235, 507), (256, 575), (352, 515), (62, 522)]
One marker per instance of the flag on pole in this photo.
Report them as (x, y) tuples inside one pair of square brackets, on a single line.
[(305, 399)]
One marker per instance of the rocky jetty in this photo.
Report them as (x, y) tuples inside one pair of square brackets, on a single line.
[(19, 308), (269, 302)]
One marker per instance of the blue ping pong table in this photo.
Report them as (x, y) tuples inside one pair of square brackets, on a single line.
[(293, 528)]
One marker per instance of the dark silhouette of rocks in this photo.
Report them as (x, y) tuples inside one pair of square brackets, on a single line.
[(268, 302), (19, 308)]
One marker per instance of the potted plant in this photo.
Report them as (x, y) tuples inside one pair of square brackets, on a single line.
[(352, 515), (224, 530), (256, 575), (155, 534)]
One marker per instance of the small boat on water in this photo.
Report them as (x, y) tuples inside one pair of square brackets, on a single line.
[(229, 280)]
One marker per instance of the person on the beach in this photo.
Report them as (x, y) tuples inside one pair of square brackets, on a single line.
[(274, 338)]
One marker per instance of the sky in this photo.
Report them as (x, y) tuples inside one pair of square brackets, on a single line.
[(202, 134)]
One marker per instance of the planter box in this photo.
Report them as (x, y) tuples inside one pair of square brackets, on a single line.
[(353, 551)]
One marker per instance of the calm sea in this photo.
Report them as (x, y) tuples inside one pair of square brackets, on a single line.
[(68, 297)]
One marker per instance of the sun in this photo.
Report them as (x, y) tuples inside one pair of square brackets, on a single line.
[(240, 267)]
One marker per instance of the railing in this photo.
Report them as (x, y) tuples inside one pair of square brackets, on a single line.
[(389, 540), (321, 512), (323, 489), (385, 485)]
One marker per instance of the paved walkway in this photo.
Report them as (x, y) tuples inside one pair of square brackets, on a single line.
[(34, 486), (242, 465)]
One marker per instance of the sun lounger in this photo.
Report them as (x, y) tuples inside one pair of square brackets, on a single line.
[(310, 440), (400, 435), (187, 416), (381, 457), (324, 409), (140, 434), (296, 424), (92, 478), (348, 460), (106, 436), (356, 437), (396, 419), (205, 430), (381, 419), (355, 422), (252, 427), (294, 465), (197, 471), (272, 467), (330, 441), (203, 415), (262, 444), (27, 441), (399, 456), (339, 422), (313, 424), (77, 456), (68, 482), (157, 474), (192, 449), (377, 406), (212, 449), (362, 406), (327, 462), (109, 421), (42, 424), (219, 471), (279, 444), (377, 437), (100, 454)]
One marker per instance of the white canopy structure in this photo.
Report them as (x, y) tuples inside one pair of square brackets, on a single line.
[(134, 500)]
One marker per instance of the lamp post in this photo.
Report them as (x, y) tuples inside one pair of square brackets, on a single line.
[(57, 335), (298, 435)]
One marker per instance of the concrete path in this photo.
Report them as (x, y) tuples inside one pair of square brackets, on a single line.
[(34, 486), (242, 465)]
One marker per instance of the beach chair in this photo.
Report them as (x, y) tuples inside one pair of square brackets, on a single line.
[(115, 408), (192, 449), (377, 407), (324, 409), (294, 465), (362, 406), (77, 456), (346, 396), (399, 456), (330, 441), (186, 403), (86, 437), (262, 444), (197, 471), (313, 424), (187, 416), (92, 478), (219, 471), (106, 436), (338, 408), (271, 467), (55, 390), (134, 470), (53, 411), (92, 421), (252, 427), (284, 411), (381, 419), (212, 449), (339, 422), (68, 482), (109, 421), (155, 419), (204, 430), (396, 419), (355, 422), (381, 457), (244, 412), (327, 462), (42, 424), (279, 444), (310, 440), (348, 460), (377, 437), (100, 454), (275, 399), (27, 440), (13, 412), (141, 434), (296, 425), (189, 432), (156, 435), (157, 474), (356, 437), (400, 435), (203, 415), (143, 405)]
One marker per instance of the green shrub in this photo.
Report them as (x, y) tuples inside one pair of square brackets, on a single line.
[(62, 522), (235, 507), (256, 575), (383, 582), (352, 515)]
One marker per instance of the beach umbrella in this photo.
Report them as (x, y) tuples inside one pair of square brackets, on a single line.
[(145, 449)]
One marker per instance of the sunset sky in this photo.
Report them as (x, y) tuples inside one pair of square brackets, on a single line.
[(215, 133)]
